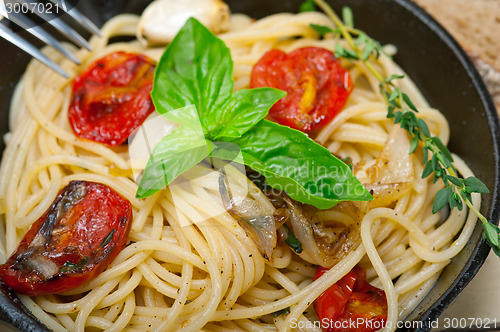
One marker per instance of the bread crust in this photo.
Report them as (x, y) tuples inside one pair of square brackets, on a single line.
[(475, 24)]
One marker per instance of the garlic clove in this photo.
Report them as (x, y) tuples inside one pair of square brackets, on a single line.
[(162, 19)]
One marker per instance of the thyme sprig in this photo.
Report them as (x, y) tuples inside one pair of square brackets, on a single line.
[(437, 158)]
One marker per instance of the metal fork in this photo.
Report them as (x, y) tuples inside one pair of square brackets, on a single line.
[(24, 22)]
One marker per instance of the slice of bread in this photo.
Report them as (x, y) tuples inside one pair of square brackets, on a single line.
[(475, 24)]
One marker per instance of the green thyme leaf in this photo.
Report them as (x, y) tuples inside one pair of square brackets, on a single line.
[(392, 78), (491, 234), (425, 157), (73, 267), (367, 51), (348, 17), (394, 94), (443, 196), (427, 170), (292, 241), (496, 250), (444, 150), (474, 185), (107, 239), (307, 6), (341, 52), (413, 144), (456, 181), (424, 128), (401, 109), (455, 201), (409, 102), (322, 30), (284, 311)]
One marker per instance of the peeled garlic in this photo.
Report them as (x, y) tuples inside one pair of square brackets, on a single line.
[(163, 19)]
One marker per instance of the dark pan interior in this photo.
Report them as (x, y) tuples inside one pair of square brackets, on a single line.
[(427, 53)]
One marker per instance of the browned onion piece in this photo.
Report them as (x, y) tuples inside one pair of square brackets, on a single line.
[(258, 223), (325, 242), (392, 174)]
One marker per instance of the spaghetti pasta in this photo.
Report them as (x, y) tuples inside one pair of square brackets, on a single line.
[(180, 275)]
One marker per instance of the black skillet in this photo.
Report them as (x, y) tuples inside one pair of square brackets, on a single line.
[(428, 54)]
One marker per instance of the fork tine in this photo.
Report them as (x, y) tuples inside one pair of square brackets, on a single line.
[(79, 17), (41, 34), (15, 39), (62, 27), (69, 32)]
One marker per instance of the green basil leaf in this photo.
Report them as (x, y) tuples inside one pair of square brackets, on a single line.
[(187, 116), (242, 111), (291, 161), (196, 69), (176, 153)]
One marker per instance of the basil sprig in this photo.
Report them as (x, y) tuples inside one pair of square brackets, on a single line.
[(193, 86)]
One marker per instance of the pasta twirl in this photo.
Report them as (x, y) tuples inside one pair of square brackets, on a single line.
[(179, 275)]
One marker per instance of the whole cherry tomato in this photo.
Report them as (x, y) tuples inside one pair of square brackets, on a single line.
[(74, 241), (351, 304), (317, 86), (111, 98)]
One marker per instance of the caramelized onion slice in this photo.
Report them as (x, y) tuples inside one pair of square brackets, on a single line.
[(392, 175), (258, 223)]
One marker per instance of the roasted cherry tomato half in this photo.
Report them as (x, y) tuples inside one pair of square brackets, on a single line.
[(317, 86), (111, 98), (74, 241), (352, 304)]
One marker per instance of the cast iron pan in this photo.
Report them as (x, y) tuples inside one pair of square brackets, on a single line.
[(428, 54)]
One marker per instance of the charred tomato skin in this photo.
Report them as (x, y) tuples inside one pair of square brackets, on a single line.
[(317, 86), (80, 234), (351, 299), (111, 97)]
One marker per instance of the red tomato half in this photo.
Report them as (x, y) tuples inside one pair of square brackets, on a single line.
[(111, 98), (75, 240), (351, 304), (317, 86)]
